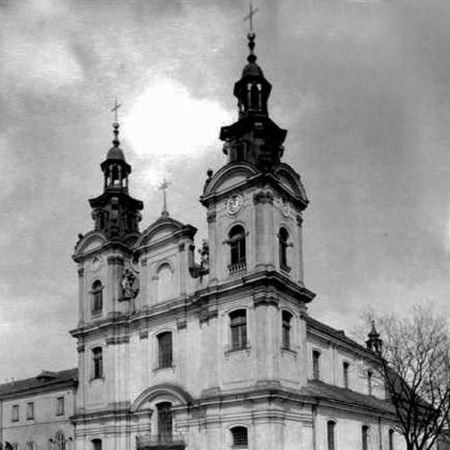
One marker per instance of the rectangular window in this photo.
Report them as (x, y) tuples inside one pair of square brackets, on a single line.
[(60, 406), (164, 422), (97, 355), (316, 364), (286, 329), (369, 382), (345, 367), (30, 410), (238, 325), (165, 349), (365, 437), (15, 413), (330, 435)]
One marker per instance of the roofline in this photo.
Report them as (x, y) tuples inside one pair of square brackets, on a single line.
[(55, 384)]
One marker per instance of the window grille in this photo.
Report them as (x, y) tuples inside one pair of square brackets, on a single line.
[(240, 437)]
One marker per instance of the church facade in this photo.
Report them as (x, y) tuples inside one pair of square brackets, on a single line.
[(220, 353)]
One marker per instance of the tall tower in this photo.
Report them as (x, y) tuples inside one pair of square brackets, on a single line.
[(104, 257), (255, 202)]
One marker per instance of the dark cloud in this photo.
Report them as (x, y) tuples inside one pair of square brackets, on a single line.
[(362, 87)]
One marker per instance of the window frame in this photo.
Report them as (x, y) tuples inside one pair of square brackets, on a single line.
[(60, 440), (164, 421), (370, 382), (365, 430), (391, 442), (316, 357), (15, 414), (331, 435), (283, 244), (30, 411), (97, 363), (96, 444), (97, 298), (234, 437), (60, 406), (238, 326), (238, 247), (286, 329), (165, 349), (345, 374)]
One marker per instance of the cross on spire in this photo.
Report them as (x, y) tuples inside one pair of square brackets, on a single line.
[(250, 15), (163, 187), (115, 109)]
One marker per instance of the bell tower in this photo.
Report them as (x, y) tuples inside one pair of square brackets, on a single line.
[(115, 213), (255, 202)]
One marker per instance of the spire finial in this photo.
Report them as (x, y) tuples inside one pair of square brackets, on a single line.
[(163, 187), (115, 109), (251, 35)]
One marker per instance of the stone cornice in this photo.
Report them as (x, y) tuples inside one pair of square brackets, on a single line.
[(109, 245), (265, 287)]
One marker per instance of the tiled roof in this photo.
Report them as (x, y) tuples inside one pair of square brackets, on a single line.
[(330, 393), (45, 380)]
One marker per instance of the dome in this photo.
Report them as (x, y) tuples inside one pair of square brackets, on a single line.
[(252, 70), (116, 153)]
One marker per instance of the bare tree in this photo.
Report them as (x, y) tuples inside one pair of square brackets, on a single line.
[(414, 365)]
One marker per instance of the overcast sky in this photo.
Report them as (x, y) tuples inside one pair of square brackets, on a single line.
[(362, 86)]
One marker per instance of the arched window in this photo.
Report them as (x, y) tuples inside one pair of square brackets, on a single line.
[(164, 422), (238, 326), (97, 297), (283, 237), (165, 349), (316, 364), (96, 444), (391, 439), (365, 437), (30, 446), (331, 438), (60, 441), (345, 368), (237, 249), (286, 318), (97, 360), (239, 437)]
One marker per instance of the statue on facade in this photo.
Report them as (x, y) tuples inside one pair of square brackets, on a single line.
[(129, 290)]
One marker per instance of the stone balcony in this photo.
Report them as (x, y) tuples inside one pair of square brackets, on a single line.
[(174, 441)]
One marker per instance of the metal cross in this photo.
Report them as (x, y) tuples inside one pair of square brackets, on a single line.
[(250, 15), (115, 109), (163, 187)]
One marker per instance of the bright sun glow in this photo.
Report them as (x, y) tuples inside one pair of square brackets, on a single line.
[(167, 123)]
